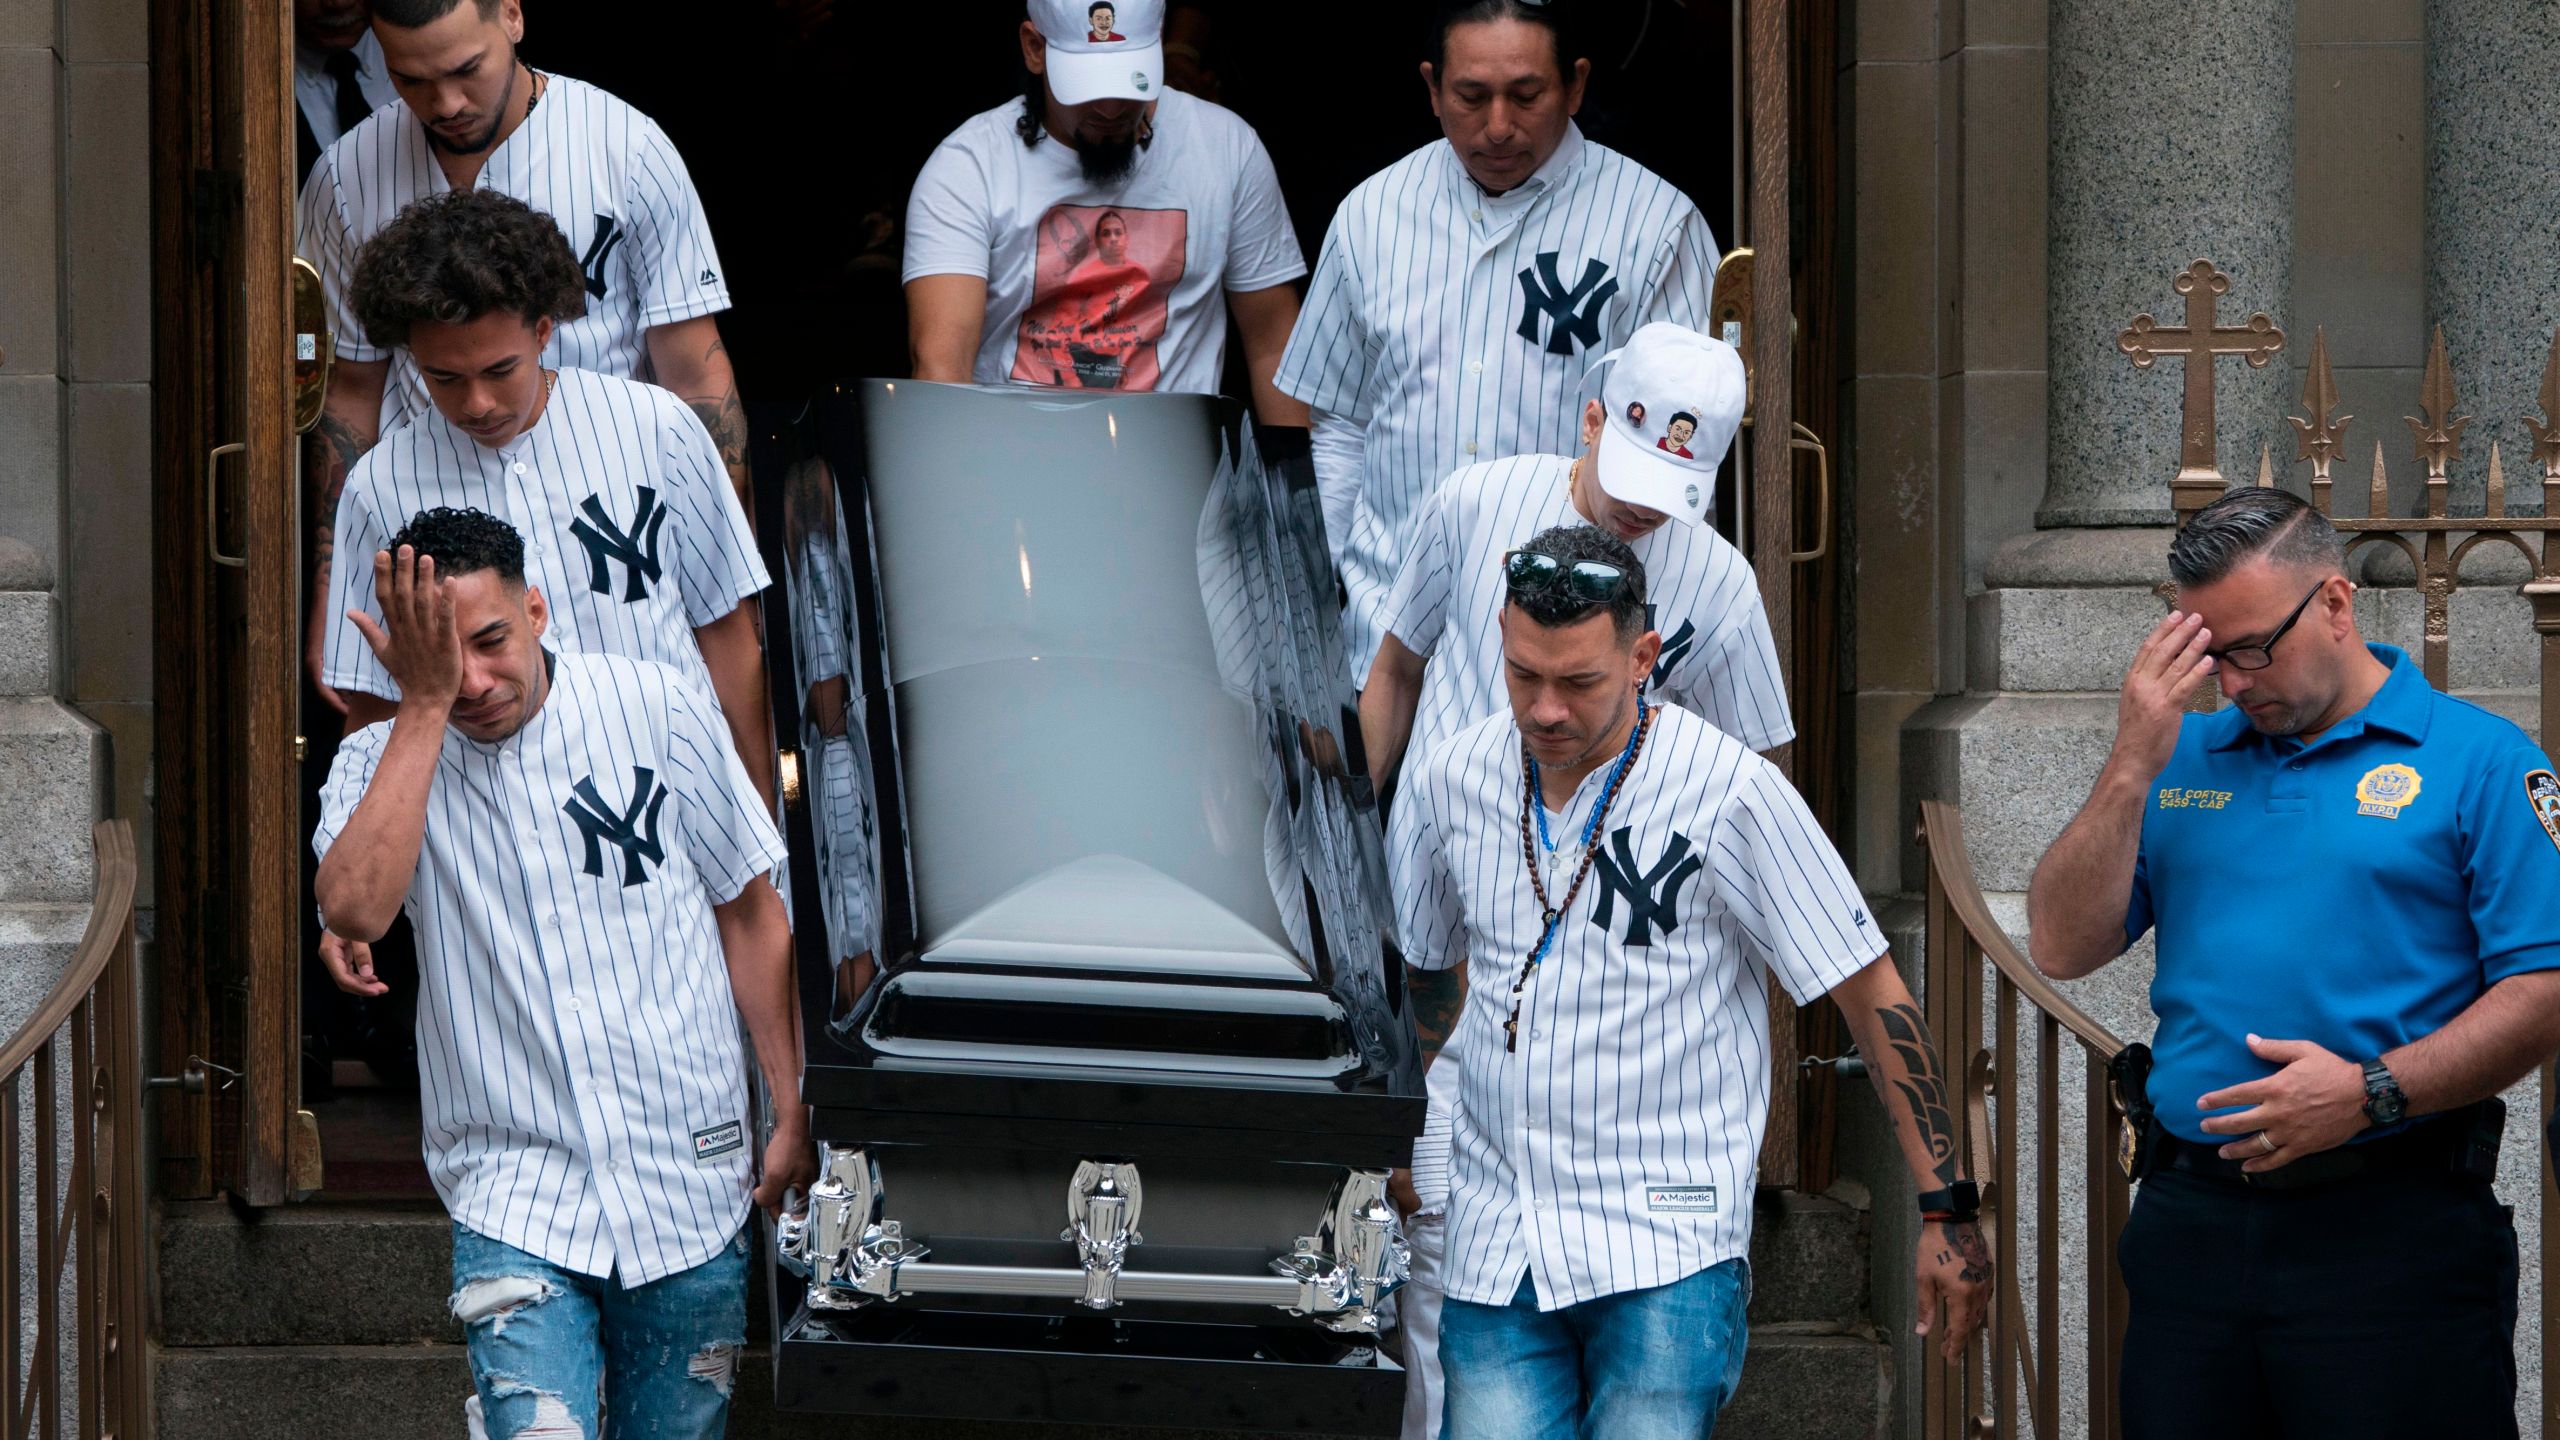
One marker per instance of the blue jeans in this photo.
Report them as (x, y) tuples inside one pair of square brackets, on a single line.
[(553, 1352), (1639, 1365)]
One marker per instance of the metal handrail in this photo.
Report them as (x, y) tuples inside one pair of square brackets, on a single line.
[(90, 1223), (2018, 1356)]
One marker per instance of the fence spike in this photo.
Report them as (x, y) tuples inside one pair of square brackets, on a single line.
[(2497, 498), (2381, 484)]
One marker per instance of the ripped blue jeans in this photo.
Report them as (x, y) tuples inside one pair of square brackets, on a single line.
[(553, 1352)]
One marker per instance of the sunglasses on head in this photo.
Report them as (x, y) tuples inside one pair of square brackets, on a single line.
[(1533, 574)]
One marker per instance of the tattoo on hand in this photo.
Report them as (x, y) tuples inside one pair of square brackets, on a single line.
[(1923, 1086), (1971, 1248)]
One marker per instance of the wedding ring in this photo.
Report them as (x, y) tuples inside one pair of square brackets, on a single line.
[(2267, 1142)]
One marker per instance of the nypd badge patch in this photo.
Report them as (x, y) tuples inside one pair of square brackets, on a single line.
[(2386, 790), (2542, 791)]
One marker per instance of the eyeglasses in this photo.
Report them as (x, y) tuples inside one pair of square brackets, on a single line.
[(1532, 574), (2260, 655)]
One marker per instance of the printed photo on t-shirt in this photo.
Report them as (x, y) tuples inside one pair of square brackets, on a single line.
[(1101, 277)]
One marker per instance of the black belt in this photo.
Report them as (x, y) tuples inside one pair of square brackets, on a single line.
[(2462, 1142)]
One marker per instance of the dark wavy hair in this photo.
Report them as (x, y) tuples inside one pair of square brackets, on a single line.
[(1571, 543), (412, 14), (455, 257), (463, 542)]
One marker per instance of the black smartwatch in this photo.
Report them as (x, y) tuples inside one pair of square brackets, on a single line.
[(1958, 1204), (2384, 1104)]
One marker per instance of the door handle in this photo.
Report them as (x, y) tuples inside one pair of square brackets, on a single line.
[(786, 765), (212, 537), (1805, 439)]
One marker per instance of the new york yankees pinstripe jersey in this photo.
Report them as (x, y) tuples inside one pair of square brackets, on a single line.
[(1615, 1148), (578, 1054), (603, 170), (1452, 327), (631, 529), (1718, 659)]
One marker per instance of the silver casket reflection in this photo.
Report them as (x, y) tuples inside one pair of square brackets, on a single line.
[(1106, 1045)]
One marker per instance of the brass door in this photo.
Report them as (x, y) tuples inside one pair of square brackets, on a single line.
[(226, 526)]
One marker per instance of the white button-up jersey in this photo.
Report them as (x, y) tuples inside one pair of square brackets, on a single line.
[(631, 528), (1616, 1147), (603, 170), (1718, 658), (1452, 327), (578, 1052)]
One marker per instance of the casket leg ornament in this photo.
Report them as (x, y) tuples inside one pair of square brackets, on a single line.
[(1354, 1261), (1102, 1220), (850, 1254)]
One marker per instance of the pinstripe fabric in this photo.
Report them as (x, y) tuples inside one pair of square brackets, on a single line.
[(1718, 661), (597, 447), (1423, 325), (603, 170), (1616, 1149), (983, 198), (577, 1032)]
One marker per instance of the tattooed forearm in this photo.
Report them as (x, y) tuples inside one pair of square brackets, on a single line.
[(335, 449), (726, 419), (1909, 1069), (1438, 996)]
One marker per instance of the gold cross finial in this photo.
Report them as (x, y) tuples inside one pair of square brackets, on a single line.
[(2546, 431), (2440, 434), (2322, 438), (2199, 478)]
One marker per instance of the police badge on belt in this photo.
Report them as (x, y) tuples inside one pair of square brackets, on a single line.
[(2129, 1081)]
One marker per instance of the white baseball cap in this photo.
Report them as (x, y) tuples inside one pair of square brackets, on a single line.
[(1674, 398), (1126, 63)]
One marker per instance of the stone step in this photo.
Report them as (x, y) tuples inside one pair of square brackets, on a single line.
[(53, 768), (2057, 639), (1794, 1387), (378, 1274), (26, 621)]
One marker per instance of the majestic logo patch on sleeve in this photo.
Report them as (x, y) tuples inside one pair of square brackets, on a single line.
[(717, 1141), (2386, 790), (2542, 791)]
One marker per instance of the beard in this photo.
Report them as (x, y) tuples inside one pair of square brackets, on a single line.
[(497, 120), (1108, 162)]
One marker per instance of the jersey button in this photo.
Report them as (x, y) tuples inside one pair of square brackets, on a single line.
[(1475, 367), (1470, 447), (575, 1004), (1539, 1204), (519, 467)]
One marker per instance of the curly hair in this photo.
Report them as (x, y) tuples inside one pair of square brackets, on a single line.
[(455, 257), (463, 542)]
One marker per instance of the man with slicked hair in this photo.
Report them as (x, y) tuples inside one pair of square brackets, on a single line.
[(1618, 881), (2354, 881)]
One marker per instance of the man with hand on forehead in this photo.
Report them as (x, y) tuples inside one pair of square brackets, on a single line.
[(1439, 668), (2354, 881), (584, 861), (1464, 292), (1617, 880), (1096, 233)]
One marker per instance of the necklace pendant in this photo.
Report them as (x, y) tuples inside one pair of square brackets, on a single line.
[(1511, 1031)]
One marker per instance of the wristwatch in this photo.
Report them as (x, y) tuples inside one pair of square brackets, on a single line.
[(2384, 1104), (1958, 1204)]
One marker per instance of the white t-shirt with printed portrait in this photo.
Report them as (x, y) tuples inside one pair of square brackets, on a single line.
[(1104, 287)]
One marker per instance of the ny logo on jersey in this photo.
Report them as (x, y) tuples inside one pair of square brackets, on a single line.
[(1573, 316), (1652, 896), (608, 235), (636, 548), (1675, 649), (634, 830)]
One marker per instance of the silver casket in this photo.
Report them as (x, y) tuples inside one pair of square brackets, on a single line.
[(1106, 1042)]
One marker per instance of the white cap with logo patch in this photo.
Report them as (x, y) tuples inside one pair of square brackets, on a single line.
[(1102, 49), (1674, 398)]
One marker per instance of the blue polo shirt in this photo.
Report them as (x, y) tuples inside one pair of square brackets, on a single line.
[(2358, 892)]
